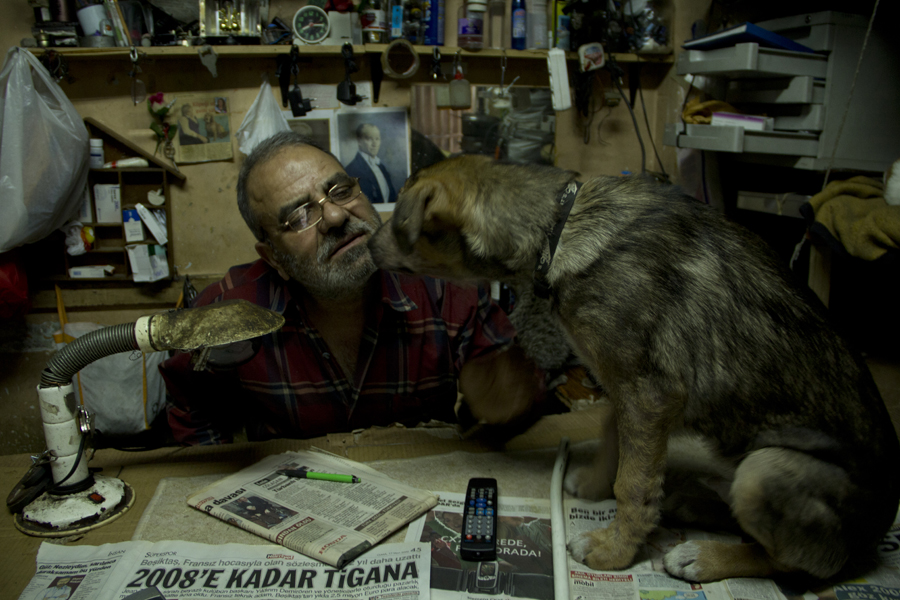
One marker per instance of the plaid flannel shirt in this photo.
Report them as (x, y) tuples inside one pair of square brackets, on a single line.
[(414, 343)]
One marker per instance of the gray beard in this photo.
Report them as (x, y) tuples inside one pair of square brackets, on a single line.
[(340, 279)]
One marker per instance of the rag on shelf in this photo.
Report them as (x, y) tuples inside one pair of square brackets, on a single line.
[(854, 214), (700, 113)]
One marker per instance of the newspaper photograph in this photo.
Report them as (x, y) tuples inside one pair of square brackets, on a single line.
[(190, 571), (204, 128), (524, 565), (524, 560), (281, 499)]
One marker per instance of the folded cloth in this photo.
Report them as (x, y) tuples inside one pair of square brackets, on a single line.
[(854, 214), (700, 113)]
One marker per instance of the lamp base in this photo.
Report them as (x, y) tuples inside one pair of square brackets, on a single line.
[(53, 515)]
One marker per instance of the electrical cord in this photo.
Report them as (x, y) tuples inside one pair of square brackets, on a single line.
[(650, 134), (616, 73)]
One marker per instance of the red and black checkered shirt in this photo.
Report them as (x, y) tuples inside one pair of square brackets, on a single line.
[(415, 342)]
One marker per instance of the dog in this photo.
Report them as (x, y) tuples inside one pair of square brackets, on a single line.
[(696, 330), (214, 129)]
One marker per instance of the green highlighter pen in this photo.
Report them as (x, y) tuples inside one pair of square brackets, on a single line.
[(304, 474)]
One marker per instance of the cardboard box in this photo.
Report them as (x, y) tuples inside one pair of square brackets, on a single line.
[(148, 262), (86, 214), (134, 229), (108, 202), (156, 228), (91, 272), (748, 122)]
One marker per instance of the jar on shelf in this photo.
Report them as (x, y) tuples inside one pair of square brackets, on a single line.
[(471, 24)]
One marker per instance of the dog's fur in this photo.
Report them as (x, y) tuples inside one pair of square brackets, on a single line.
[(213, 129), (691, 325)]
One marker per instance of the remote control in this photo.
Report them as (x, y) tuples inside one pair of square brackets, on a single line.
[(479, 528)]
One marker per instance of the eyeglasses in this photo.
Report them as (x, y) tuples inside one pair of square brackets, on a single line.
[(309, 214)]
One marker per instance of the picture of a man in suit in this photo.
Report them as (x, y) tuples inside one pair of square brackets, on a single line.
[(374, 178)]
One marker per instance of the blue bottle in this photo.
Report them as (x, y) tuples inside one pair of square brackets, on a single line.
[(518, 25)]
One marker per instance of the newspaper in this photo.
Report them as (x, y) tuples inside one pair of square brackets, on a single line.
[(204, 130), (523, 568), (186, 570), (326, 520)]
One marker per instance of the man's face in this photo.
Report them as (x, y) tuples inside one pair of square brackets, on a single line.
[(370, 140), (330, 259)]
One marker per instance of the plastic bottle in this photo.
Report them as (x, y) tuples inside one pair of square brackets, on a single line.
[(470, 34), (519, 25), (96, 160), (374, 23), (396, 18), (537, 25)]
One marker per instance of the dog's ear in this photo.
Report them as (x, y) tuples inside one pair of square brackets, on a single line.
[(409, 214)]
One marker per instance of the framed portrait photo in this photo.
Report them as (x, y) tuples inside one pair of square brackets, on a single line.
[(318, 125), (373, 144)]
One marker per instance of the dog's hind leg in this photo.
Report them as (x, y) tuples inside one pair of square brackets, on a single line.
[(643, 423), (788, 501), (595, 482)]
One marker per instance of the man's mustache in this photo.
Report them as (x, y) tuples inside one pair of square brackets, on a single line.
[(333, 237)]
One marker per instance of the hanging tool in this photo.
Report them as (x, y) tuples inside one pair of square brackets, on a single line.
[(346, 90), (436, 64), (299, 105), (287, 65), (138, 89), (502, 99), (377, 75)]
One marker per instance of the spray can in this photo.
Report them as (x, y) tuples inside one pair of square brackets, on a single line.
[(519, 23)]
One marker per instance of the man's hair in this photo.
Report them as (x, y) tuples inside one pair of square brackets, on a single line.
[(362, 127), (264, 151), (184, 108)]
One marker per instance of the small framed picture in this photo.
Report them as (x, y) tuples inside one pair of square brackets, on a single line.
[(373, 144), (318, 125)]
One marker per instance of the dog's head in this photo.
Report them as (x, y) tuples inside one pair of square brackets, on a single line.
[(436, 226)]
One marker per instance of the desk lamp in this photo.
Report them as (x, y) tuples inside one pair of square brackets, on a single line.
[(70, 499)]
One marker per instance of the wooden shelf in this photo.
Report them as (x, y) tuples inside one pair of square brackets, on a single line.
[(174, 52)]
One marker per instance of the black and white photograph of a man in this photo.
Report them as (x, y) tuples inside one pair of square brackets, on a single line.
[(374, 147)]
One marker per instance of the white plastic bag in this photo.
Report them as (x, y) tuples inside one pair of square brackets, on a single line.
[(44, 153), (263, 120), (124, 391)]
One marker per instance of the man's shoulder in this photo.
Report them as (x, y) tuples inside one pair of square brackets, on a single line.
[(244, 282)]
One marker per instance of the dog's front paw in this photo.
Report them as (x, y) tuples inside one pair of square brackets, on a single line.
[(708, 560), (585, 483), (581, 546), (683, 561), (602, 550)]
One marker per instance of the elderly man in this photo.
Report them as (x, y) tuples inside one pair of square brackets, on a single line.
[(374, 178), (359, 347)]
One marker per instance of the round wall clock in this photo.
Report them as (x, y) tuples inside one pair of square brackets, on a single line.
[(311, 25)]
